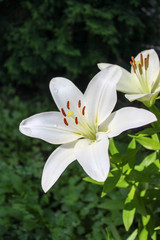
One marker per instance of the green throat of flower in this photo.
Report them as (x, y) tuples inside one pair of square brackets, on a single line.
[(78, 121)]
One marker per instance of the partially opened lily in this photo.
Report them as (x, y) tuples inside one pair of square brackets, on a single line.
[(143, 83), (83, 126)]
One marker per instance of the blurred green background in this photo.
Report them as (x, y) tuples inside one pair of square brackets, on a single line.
[(39, 40)]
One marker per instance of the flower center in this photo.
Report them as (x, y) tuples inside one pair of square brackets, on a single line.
[(78, 121), (140, 70)]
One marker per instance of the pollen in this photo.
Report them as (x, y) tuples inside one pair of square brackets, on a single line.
[(70, 113)]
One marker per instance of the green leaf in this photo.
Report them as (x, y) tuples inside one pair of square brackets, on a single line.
[(88, 179), (109, 237), (148, 131), (133, 235), (157, 228), (132, 144), (155, 137), (154, 236), (129, 209), (112, 147), (145, 219), (122, 183), (143, 234), (148, 160), (112, 204), (148, 143), (111, 181)]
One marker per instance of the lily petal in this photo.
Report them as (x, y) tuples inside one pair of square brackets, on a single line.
[(100, 95), (126, 118), (56, 164), (102, 66), (93, 156), (147, 99), (63, 90), (48, 126), (153, 69), (128, 83)]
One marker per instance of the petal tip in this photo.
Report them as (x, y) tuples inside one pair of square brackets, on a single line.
[(45, 186), (24, 129)]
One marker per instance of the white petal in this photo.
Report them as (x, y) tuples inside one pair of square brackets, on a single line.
[(48, 126), (102, 66), (153, 70), (128, 83), (56, 164), (147, 99), (63, 90), (93, 157), (100, 95), (126, 118), (132, 97)]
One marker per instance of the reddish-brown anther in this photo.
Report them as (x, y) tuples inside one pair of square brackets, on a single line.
[(68, 105), (65, 121), (83, 110), (141, 57), (79, 103), (140, 68), (76, 120), (133, 66), (63, 112), (147, 60)]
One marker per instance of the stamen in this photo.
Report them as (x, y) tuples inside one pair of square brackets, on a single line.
[(65, 121), (140, 69), (132, 66), (76, 120), (68, 105), (79, 103), (141, 57), (63, 112), (83, 110), (147, 60), (134, 63)]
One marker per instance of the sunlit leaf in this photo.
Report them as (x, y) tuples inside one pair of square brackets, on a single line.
[(112, 147), (88, 179), (129, 209), (133, 235), (143, 234)]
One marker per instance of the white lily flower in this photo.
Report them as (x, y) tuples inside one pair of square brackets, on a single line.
[(143, 83), (83, 126)]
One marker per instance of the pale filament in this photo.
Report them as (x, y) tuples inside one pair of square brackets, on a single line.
[(140, 69)]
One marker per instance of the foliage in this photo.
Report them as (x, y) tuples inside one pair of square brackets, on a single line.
[(138, 172), (42, 39)]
